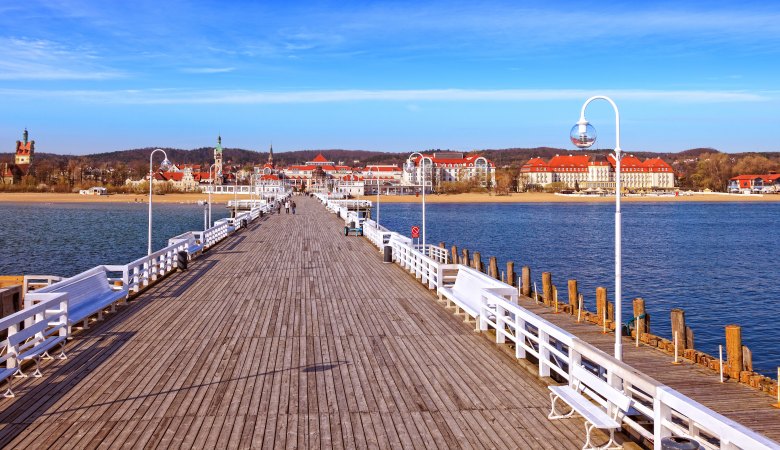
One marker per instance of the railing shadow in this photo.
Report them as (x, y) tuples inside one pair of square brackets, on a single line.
[(85, 353)]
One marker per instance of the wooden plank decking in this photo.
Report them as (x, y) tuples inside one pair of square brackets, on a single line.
[(288, 335)]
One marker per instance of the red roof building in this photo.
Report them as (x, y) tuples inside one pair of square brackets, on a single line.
[(598, 172), (450, 167), (767, 183)]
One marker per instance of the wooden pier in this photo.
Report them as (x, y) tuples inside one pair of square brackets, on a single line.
[(287, 335)]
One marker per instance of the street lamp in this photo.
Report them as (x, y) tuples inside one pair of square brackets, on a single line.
[(163, 166), (370, 174), (410, 168), (583, 135)]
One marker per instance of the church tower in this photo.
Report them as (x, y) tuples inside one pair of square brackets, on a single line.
[(24, 152), (218, 161), (271, 157)]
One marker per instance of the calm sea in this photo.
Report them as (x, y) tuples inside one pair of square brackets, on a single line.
[(65, 239), (717, 261)]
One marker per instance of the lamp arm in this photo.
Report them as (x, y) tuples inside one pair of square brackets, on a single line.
[(617, 119)]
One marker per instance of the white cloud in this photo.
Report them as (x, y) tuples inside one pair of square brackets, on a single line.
[(38, 59), (208, 70), (180, 96)]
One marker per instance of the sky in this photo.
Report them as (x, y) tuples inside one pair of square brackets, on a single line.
[(95, 76)]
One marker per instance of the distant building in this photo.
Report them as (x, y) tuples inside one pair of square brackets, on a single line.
[(597, 172), (451, 166), (317, 175), (755, 184), (23, 162), (383, 178)]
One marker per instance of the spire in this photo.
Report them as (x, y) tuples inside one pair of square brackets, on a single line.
[(26, 136), (271, 155)]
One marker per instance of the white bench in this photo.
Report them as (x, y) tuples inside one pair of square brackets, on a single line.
[(466, 293), (596, 415), (88, 294)]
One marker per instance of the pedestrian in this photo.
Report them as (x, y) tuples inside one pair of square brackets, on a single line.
[(292, 205), (287, 207), (278, 207)]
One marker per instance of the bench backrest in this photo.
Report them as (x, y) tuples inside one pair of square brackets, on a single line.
[(600, 387), (82, 289)]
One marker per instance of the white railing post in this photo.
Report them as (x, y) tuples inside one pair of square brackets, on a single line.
[(661, 413), (544, 354)]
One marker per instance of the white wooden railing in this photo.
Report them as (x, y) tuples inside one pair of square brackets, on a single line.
[(52, 306), (33, 282), (556, 351)]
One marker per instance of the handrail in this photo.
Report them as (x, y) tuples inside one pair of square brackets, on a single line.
[(50, 306)]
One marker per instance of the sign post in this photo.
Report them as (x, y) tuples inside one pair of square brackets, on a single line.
[(415, 232)]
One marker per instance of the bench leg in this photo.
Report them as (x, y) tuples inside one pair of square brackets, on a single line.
[(610, 445), (62, 354), (46, 356), (9, 393), (85, 325), (554, 415), (37, 373)]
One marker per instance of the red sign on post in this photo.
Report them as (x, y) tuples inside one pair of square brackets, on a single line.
[(415, 232)]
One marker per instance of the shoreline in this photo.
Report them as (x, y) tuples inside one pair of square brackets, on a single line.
[(524, 197)]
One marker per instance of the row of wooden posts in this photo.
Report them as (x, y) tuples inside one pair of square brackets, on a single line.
[(738, 364)]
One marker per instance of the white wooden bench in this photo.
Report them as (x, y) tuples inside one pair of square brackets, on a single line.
[(88, 294), (607, 414), (466, 292)]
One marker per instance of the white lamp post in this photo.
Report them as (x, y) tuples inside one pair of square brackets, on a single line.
[(410, 168), (163, 165), (583, 135), (370, 174)]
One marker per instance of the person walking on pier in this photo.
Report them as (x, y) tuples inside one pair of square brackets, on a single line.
[(278, 207), (292, 205), (287, 207)]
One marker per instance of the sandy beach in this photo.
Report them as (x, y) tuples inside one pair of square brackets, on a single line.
[(525, 197)]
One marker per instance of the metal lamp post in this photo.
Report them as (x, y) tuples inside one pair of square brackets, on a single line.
[(163, 165), (410, 169), (583, 135)]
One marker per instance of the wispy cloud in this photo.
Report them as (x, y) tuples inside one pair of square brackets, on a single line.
[(208, 70), (178, 97), (39, 59)]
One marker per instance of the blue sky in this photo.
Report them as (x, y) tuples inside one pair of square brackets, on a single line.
[(92, 76)]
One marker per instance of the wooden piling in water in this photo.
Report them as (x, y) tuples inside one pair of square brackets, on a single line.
[(547, 292), (478, 262), (734, 360), (464, 259), (747, 359), (493, 267), (642, 325), (678, 329), (526, 284), (454, 255), (511, 277), (601, 303), (573, 294)]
